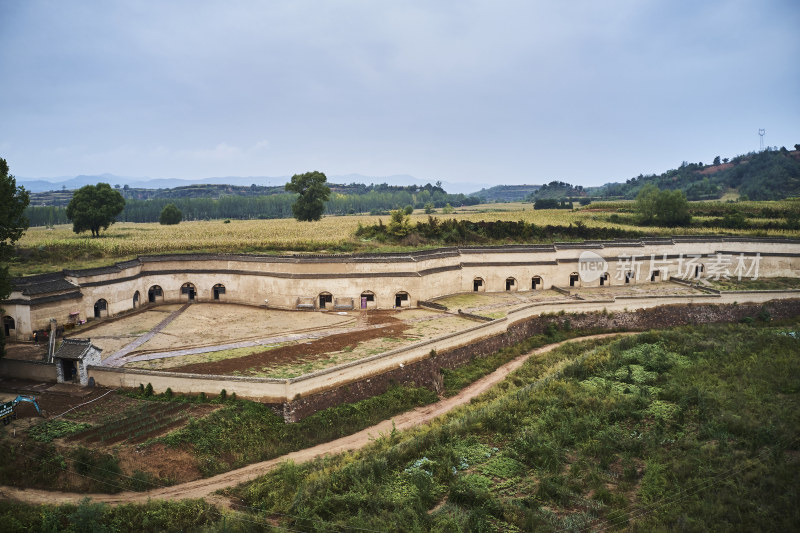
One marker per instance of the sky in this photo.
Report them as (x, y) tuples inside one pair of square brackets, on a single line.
[(497, 92)]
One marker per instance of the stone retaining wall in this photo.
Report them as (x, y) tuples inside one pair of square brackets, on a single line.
[(427, 372)]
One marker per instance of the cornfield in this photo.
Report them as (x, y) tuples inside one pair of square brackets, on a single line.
[(42, 249)]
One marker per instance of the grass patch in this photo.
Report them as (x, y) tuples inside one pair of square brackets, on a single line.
[(245, 432), (49, 430), (154, 516), (456, 379), (692, 428)]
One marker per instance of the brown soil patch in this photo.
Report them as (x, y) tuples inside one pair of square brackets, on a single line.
[(158, 420), (303, 352), (26, 352), (713, 169), (178, 465)]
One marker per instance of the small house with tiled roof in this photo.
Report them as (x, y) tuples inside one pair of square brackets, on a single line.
[(73, 358)]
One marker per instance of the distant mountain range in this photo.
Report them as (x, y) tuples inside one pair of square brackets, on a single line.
[(76, 182)]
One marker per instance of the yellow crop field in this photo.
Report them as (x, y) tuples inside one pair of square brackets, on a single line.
[(42, 249)]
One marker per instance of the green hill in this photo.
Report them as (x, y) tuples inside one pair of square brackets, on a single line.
[(768, 175), (506, 193)]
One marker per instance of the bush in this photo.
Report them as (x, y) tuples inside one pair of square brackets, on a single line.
[(170, 215)]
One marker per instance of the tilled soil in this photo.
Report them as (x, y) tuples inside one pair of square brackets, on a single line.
[(305, 352)]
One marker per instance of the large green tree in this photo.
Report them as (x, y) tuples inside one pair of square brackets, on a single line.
[(170, 215), (313, 192), (662, 208), (94, 207), (13, 223)]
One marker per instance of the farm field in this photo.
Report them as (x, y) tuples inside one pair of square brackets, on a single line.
[(606, 436), (48, 249), (649, 433)]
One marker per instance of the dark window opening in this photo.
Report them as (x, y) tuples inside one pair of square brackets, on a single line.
[(573, 279), (8, 325), (603, 279)]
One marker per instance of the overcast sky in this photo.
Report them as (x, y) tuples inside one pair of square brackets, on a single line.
[(462, 91)]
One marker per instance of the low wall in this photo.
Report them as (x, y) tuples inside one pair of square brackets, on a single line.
[(262, 389), (33, 370)]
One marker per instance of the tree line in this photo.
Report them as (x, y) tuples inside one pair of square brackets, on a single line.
[(374, 200)]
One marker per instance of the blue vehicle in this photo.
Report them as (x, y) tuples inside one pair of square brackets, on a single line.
[(7, 413)]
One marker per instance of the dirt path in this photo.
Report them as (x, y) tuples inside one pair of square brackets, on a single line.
[(204, 488)]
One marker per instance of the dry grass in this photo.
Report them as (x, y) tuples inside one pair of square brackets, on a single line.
[(45, 250)]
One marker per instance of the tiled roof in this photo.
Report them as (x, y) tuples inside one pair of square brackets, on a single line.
[(43, 284), (73, 349)]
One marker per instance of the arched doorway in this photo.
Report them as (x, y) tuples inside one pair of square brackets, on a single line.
[(478, 285), (218, 289), (189, 290), (604, 279), (511, 284), (155, 294), (8, 325), (100, 308), (574, 280), (368, 300), (655, 274), (699, 269), (136, 299), (536, 283), (325, 299), (402, 299), (629, 277)]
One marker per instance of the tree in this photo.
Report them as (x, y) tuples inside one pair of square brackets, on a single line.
[(13, 223), (313, 194), (94, 207), (399, 225), (662, 208), (716, 160), (170, 215)]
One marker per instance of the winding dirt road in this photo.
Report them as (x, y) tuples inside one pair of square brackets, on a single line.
[(204, 488)]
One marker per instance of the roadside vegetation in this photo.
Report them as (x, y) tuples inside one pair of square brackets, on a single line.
[(692, 428)]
